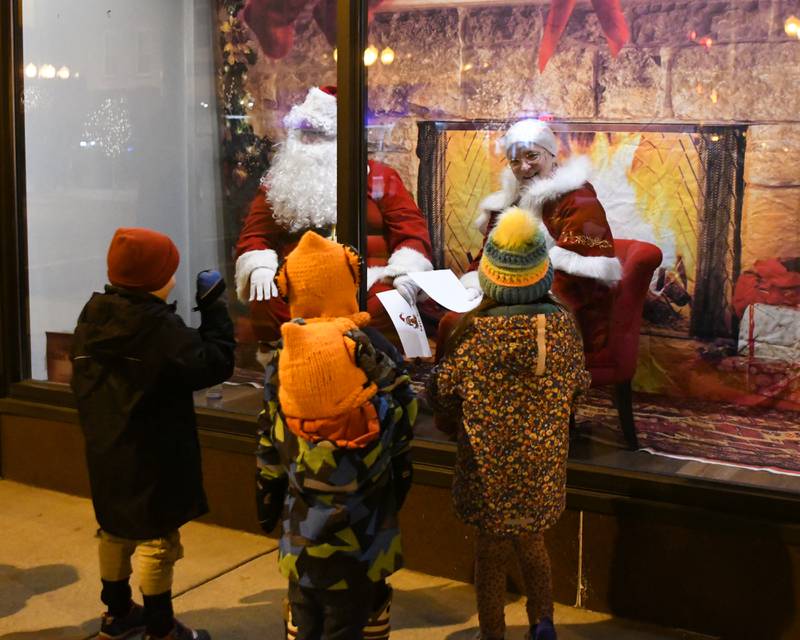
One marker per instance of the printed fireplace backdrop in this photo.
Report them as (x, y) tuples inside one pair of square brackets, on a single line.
[(692, 124), (713, 335)]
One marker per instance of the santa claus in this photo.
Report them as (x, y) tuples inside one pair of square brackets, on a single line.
[(580, 242), (298, 193)]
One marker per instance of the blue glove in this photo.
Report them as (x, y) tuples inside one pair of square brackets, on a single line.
[(210, 286)]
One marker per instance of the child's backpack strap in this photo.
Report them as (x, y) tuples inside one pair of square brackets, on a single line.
[(541, 344)]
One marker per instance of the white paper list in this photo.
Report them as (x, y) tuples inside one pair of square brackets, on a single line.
[(408, 324), (445, 288)]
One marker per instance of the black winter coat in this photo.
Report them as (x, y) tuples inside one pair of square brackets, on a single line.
[(135, 366)]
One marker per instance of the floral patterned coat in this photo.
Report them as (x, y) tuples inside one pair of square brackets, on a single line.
[(514, 377)]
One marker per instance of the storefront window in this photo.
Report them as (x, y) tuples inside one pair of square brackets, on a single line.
[(121, 129), (684, 118), (687, 116), (167, 115)]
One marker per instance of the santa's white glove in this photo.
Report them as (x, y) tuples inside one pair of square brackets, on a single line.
[(407, 288), (472, 284), (262, 284), (473, 293)]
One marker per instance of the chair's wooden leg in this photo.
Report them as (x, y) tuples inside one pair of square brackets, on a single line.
[(623, 397)]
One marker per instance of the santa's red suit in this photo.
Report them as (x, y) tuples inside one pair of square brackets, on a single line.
[(397, 243), (580, 243)]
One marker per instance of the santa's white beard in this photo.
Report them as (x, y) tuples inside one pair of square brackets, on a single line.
[(301, 184)]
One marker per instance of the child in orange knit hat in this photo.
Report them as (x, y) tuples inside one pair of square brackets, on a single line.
[(333, 452)]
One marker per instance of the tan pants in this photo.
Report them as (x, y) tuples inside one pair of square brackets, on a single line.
[(155, 560)]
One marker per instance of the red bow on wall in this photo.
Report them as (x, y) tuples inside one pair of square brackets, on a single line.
[(272, 22), (609, 13)]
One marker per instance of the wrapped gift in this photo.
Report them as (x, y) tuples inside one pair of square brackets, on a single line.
[(770, 332)]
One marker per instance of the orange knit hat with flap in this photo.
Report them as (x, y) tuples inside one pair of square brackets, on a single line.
[(323, 393), (319, 278)]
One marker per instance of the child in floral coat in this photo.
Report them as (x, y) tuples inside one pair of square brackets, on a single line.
[(512, 369)]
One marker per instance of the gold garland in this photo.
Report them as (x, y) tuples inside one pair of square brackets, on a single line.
[(572, 238)]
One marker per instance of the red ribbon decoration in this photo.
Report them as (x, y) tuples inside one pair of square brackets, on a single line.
[(272, 22), (609, 13)]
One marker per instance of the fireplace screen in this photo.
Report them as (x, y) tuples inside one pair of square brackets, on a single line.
[(678, 187), (720, 328)]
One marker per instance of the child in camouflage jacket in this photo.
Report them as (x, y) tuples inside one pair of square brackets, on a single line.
[(333, 451)]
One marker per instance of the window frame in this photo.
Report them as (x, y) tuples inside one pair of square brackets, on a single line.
[(611, 490), (14, 326)]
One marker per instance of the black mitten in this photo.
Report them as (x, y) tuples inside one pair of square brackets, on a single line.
[(210, 286)]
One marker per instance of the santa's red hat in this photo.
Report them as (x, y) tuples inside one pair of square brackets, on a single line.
[(316, 113)]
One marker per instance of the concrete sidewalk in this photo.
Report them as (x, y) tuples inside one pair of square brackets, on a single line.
[(227, 583)]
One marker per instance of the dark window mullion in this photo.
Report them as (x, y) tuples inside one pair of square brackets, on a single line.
[(14, 344), (352, 147)]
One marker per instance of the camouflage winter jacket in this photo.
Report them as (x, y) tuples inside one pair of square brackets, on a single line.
[(338, 505)]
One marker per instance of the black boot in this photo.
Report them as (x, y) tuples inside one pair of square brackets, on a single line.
[(158, 614), (124, 617)]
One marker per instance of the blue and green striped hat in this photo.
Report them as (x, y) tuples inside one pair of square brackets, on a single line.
[(515, 267)]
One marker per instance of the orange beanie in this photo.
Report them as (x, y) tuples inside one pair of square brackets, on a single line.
[(320, 280), (323, 393), (141, 259)]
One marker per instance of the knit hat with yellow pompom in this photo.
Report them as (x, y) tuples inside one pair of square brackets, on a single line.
[(515, 267), (319, 278)]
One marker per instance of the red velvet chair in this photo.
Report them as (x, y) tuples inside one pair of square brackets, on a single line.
[(615, 363)]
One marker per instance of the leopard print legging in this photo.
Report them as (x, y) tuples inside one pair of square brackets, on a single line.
[(492, 553)]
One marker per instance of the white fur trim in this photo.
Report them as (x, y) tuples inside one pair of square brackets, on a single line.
[(405, 260), (245, 264), (572, 175), (373, 275), (606, 270), (566, 178), (402, 261), (470, 280), (317, 112), (497, 201)]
